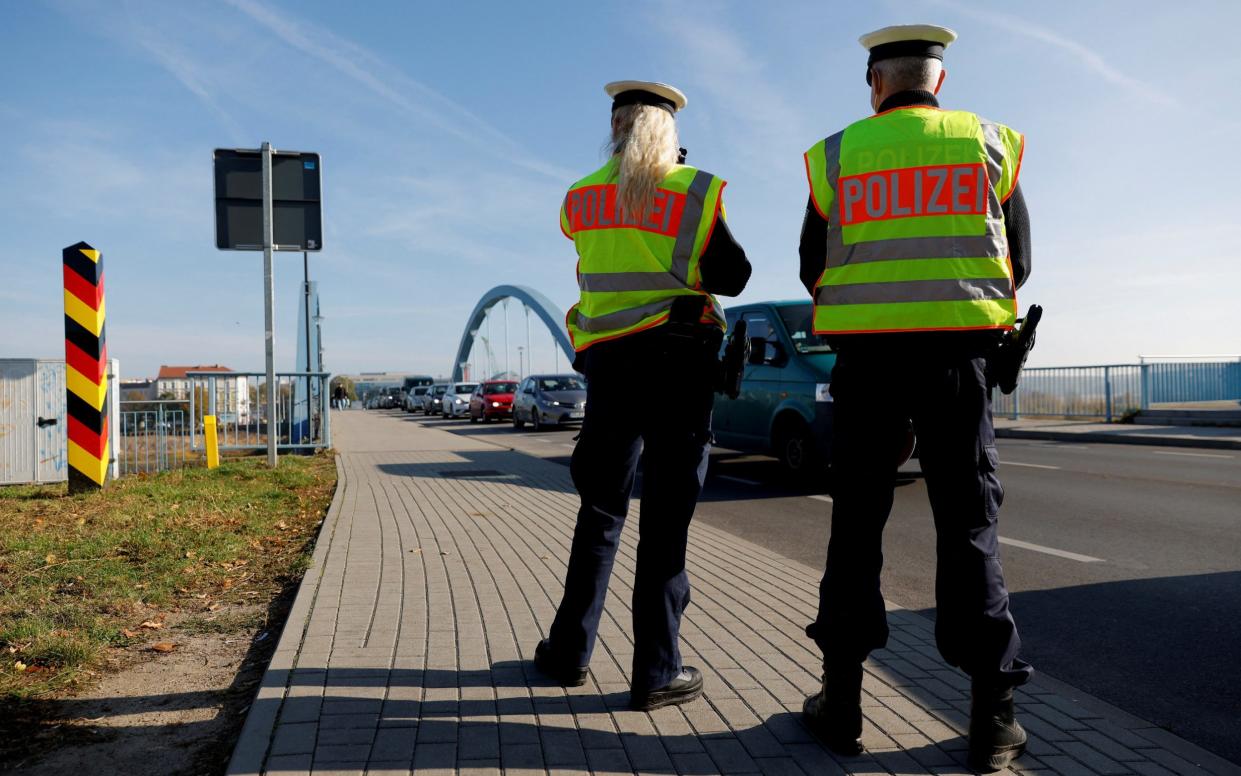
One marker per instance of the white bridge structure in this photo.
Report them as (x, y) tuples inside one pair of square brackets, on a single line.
[(532, 300)]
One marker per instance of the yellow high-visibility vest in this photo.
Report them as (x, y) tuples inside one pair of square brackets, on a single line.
[(916, 242), (630, 272)]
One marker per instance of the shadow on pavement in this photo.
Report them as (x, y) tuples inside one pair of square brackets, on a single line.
[(1165, 649), (503, 732)]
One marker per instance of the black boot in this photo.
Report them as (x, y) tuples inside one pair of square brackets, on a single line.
[(684, 687), (835, 713), (567, 675), (996, 737)]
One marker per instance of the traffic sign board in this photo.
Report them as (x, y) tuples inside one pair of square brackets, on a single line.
[(297, 217)]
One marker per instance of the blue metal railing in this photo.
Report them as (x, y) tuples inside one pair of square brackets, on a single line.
[(1112, 391), (239, 402)]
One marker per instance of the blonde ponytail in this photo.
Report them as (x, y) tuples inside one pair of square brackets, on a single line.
[(645, 138)]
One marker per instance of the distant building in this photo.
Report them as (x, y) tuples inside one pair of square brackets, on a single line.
[(137, 389), (172, 382), (232, 393)]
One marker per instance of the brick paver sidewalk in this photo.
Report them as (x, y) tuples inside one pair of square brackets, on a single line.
[(439, 565)]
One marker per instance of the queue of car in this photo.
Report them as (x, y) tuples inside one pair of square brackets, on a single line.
[(785, 408), (543, 400)]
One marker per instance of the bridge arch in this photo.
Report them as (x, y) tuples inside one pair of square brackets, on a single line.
[(551, 316)]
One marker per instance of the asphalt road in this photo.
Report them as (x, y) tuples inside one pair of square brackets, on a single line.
[(1124, 562)]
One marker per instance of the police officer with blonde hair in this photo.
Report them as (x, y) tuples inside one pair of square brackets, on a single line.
[(915, 240), (653, 251)]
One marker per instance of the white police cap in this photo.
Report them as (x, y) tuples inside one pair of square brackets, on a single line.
[(907, 40), (654, 93)]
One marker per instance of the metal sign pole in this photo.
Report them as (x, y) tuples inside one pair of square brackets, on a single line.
[(306, 285), (269, 307)]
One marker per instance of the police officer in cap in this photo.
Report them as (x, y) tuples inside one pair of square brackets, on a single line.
[(915, 240), (653, 250)]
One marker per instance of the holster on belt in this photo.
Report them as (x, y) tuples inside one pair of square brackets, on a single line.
[(685, 325)]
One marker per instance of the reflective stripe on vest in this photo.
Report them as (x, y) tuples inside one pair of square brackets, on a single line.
[(630, 270), (916, 241)]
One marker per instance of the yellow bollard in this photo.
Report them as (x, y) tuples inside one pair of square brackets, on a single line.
[(213, 447)]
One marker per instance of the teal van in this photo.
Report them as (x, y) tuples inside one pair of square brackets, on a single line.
[(784, 408)]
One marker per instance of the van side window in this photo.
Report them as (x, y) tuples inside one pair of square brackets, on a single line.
[(757, 325)]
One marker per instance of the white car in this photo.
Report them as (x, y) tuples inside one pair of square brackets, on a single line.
[(456, 401)]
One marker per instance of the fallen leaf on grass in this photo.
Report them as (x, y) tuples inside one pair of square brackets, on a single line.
[(19, 666), (151, 624), (163, 646), (50, 559), (127, 633), (213, 607), (282, 525), (191, 554)]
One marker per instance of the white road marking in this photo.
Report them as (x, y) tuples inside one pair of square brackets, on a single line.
[(1030, 465), (1049, 551), (1194, 455), (541, 439), (819, 497), (566, 444), (742, 480)]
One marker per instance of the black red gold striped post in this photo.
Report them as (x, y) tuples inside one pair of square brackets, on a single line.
[(86, 371)]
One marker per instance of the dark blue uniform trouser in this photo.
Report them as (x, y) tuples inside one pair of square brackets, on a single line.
[(950, 406), (651, 397)]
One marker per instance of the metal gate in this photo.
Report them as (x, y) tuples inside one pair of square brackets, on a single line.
[(33, 428)]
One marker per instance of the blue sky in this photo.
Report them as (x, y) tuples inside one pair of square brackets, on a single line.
[(449, 132)]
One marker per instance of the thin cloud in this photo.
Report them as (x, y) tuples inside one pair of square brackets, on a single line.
[(735, 77), (1087, 56), (393, 86), (190, 75)]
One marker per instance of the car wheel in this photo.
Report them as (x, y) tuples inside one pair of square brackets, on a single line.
[(486, 418), (535, 423), (472, 418), (794, 446), (518, 423)]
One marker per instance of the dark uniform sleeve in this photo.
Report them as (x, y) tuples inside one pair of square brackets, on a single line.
[(1017, 229), (813, 247), (725, 269)]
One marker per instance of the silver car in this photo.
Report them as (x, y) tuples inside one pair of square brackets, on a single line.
[(413, 399), (456, 400), (549, 400), (431, 401)]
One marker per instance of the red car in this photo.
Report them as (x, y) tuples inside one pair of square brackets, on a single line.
[(492, 399)]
